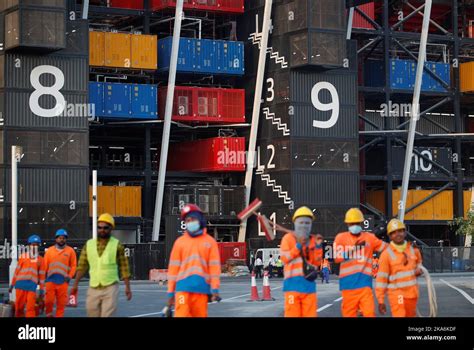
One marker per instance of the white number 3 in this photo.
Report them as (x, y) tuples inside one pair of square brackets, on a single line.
[(41, 90), (333, 106)]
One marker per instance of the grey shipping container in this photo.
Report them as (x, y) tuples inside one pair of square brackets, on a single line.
[(46, 219), (19, 70), (421, 167), (77, 39), (213, 200), (16, 111), (47, 147), (28, 28), (285, 154), (308, 188), (49, 185), (329, 220)]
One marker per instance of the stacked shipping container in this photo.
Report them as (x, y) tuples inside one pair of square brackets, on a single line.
[(45, 112)]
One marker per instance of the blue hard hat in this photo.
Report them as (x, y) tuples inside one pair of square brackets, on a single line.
[(34, 239), (61, 232)]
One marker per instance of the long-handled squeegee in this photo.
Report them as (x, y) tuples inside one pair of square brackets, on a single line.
[(267, 226)]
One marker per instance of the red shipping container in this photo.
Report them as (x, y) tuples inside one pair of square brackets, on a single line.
[(232, 250), (127, 4), (359, 21), (231, 6), (210, 105), (209, 155)]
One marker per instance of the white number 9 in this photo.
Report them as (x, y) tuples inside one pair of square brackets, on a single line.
[(333, 106)]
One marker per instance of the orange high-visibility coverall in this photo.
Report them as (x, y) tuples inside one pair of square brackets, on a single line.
[(28, 275), (396, 277), (300, 294), (355, 274), (60, 267), (193, 273)]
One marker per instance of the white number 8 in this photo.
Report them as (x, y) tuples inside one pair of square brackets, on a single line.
[(41, 90), (334, 105)]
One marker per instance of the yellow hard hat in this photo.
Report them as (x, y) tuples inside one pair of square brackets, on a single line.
[(395, 225), (354, 216), (303, 211), (109, 219)]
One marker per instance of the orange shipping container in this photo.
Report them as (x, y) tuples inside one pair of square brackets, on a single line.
[(467, 202), (128, 201), (96, 48), (396, 197), (144, 51), (425, 210), (466, 76), (118, 50), (105, 200), (443, 206), (376, 199)]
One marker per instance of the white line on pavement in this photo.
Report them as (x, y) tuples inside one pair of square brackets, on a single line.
[(223, 300), (338, 299), (467, 296), (324, 307), (150, 314), (244, 295)]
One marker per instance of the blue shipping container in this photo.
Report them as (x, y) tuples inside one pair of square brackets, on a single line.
[(403, 75), (144, 101), (96, 98), (203, 56), (117, 100)]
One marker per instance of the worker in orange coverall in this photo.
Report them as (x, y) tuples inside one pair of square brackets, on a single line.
[(194, 268), (399, 266)]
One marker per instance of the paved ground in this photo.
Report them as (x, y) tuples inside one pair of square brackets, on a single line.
[(455, 299)]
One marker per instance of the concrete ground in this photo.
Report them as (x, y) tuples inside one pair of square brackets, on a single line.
[(455, 295)]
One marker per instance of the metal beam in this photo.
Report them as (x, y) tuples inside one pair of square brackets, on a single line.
[(167, 120), (256, 110), (415, 107), (431, 21), (432, 195), (369, 122), (423, 115), (406, 18), (367, 18)]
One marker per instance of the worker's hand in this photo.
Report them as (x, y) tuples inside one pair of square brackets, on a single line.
[(67, 279), (128, 293), (382, 309), (171, 301), (73, 290), (418, 272), (10, 290), (215, 297)]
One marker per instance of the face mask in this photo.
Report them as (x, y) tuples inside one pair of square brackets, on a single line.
[(303, 227), (193, 226), (355, 229)]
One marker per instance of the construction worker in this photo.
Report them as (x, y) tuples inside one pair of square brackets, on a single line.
[(375, 266), (60, 267), (103, 258), (194, 268), (298, 250), (29, 275), (279, 266), (399, 266), (354, 250), (325, 270)]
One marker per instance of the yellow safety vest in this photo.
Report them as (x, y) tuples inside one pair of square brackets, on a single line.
[(103, 270)]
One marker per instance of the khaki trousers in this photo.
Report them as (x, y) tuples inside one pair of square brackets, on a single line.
[(102, 302)]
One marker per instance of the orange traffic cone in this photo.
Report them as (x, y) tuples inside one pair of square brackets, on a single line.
[(253, 289), (267, 293)]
